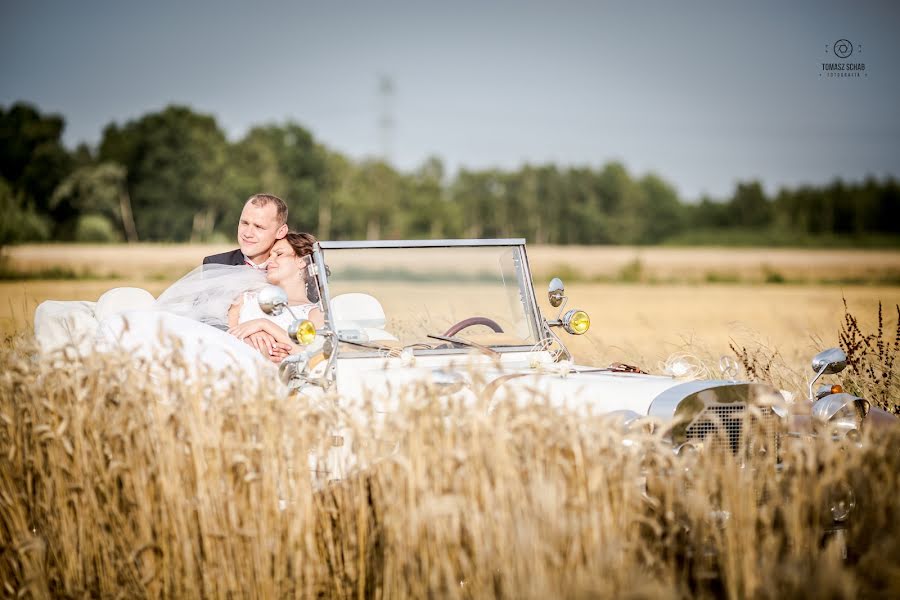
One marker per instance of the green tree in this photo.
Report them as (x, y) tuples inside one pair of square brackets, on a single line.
[(662, 212), (20, 221), (621, 201), (750, 207), (481, 198), (377, 188), (99, 190), (286, 161), (175, 162), (584, 221), (423, 211), (32, 158)]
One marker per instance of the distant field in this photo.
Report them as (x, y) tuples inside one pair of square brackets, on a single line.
[(643, 323), (166, 262), (668, 301)]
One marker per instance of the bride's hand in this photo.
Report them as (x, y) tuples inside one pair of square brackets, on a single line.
[(265, 336), (279, 353), (262, 341), (249, 328)]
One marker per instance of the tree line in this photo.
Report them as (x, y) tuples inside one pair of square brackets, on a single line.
[(173, 176)]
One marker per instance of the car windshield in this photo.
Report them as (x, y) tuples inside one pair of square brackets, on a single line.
[(393, 297)]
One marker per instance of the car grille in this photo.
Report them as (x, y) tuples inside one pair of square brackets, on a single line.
[(725, 427)]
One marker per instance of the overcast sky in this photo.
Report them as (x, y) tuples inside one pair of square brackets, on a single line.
[(702, 93)]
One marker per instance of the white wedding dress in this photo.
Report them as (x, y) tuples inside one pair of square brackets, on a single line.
[(188, 318)]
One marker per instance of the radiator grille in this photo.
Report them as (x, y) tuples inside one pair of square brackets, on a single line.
[(724, 427)]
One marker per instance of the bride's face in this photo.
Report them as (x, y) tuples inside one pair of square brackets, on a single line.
[(284, 264)]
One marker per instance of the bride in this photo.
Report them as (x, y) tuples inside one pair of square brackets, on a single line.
[(288, 268), (210, 316)]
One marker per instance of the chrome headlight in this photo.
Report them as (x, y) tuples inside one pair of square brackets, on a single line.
[(841, 501), (576, 322), (843, 414), (690, 450)]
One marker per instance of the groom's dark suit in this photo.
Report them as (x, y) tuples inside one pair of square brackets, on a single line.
[(235, 257)]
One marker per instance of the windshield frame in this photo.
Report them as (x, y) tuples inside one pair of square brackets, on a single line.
[(536, 322)]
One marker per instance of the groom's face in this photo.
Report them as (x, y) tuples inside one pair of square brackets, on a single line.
[(258, 230)]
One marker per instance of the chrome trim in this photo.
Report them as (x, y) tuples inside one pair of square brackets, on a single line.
[(543, 325), (566, 321), (325, 300), (528, 284), (564, 351), (828, 406), (664, 405), (342, 245), (681, 404)]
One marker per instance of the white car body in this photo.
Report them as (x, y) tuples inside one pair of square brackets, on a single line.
[(393, 296)]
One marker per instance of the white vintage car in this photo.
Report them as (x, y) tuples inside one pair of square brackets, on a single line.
[(461, 316)]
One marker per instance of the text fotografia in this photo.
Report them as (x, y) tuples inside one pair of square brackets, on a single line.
[(838, 62), (843, 69)]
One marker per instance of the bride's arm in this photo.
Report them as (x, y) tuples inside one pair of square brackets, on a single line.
[(254, 325), (234, 311)]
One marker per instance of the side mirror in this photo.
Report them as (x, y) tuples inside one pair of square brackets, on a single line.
[(272, 300), (830, 361), (827, 362), (556, 292)]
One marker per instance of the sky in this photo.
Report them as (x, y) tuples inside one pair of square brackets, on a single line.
[(704, 94)]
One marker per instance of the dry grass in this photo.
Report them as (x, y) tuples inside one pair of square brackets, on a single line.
[(871, 356), (116, 483)]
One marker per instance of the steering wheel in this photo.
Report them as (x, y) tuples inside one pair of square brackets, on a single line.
[(473, 321)]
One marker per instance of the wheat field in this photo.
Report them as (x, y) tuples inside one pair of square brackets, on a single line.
[(118, 480), (118, 483)]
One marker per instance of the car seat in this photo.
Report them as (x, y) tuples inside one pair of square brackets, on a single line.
[(359, 317)]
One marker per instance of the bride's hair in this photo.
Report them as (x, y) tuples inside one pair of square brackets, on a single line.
[(302, 243)]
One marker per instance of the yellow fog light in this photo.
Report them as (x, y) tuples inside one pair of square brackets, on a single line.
[(302, 332), (576, 322)]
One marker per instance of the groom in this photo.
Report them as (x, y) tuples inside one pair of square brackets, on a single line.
[(263, 222)]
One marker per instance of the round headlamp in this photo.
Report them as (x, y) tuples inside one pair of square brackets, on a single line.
[(691, 449), (576, 322), (841, 501), (303, 332)]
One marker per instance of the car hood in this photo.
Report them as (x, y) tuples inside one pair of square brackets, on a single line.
[(582, 389)]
